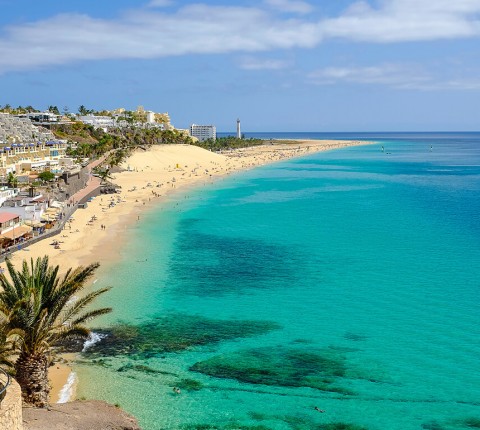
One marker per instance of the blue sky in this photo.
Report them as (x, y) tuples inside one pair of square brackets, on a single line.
[(278, 65)]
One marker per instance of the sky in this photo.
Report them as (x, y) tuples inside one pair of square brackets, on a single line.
[(278, 65)]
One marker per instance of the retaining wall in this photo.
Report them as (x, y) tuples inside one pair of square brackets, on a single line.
[(11, 408)]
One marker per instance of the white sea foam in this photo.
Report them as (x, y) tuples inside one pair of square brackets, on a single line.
[(67, 390), (72, 300), (92, 340)]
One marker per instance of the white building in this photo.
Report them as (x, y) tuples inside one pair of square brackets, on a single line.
[(27, 208), (25, 147), (150, 117), (203, 132), (7, 193), (103, 122), (41, 117)]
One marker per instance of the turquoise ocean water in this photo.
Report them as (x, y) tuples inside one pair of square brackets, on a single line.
[(346, 280)]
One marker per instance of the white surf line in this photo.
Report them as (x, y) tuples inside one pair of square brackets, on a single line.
[(93, 338), (66, 392)]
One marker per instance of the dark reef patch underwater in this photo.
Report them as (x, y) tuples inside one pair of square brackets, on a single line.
[(321, 369), (294, 423), (172, 334), (463, 423), (208, 265)]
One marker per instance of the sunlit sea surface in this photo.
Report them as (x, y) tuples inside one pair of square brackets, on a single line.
[(346, 281)]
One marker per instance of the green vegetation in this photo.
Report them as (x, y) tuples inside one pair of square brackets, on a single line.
[(229, 142), (470, 422), (296, 423), (54, 110), (340, 426), (140, 368), (94, 142), (46, 176), (285, 367), (12, 180), (189, 385), (38, 309), (172, 334), (232, 426), (304, 422), (18, 110)]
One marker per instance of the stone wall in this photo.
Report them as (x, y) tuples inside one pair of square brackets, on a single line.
[(11, 408)]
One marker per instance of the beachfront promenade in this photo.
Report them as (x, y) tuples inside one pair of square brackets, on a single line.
[(91, 189)]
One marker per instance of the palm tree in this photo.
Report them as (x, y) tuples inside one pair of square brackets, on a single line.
[(42, 310), (104, 175), (6, 345)]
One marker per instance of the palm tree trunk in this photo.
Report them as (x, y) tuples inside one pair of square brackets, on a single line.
[(32, 375)]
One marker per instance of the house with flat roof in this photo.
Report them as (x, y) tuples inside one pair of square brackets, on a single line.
[(12, 230)]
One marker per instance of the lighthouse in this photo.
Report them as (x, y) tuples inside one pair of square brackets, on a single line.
[(239, 134)]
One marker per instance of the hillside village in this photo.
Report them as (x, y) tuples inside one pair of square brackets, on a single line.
[(45, 159)]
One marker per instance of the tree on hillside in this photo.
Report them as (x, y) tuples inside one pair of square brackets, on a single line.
[(7, 108), (82, 110), (104, 174), (54, 109), (46, 176), (116, 157), (43, 309), (12, 180)]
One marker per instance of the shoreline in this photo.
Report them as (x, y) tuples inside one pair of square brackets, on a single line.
[(149, 179)]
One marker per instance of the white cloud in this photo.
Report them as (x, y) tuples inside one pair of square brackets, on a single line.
[(198, 29), (251, 63), (295, 6), (406, 20), (203, 29), (398, 76)]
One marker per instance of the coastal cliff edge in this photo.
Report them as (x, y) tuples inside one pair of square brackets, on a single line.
[(79, 415)]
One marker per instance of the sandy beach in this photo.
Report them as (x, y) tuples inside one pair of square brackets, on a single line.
[(149, 177)]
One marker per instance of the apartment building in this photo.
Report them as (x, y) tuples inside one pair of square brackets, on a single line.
[(25, 147), (203, 132)]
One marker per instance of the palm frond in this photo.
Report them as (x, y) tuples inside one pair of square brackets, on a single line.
[(77, 306), (88, 316), (36, 304)]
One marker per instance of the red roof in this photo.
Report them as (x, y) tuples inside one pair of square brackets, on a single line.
[(7, 216)]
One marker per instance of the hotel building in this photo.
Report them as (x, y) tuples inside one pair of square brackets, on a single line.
[(203, 132)]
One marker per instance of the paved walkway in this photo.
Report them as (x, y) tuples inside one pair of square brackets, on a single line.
[(92, 184)]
